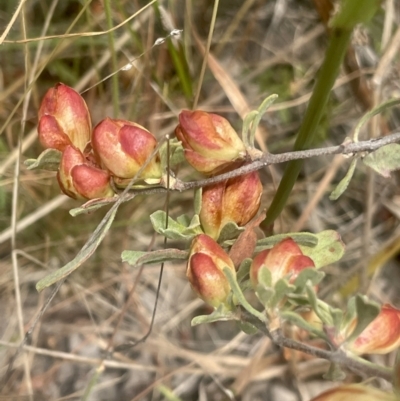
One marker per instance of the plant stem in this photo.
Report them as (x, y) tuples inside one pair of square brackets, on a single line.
[(335, 52)]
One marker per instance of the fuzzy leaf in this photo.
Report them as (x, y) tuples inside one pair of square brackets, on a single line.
[(330, 249), (367, 311), (264, 277), (243, 270), (136, 258), (384, 160), (281, 289), (310, 275), (229, 231), (198, 192), (302, 238), (47, 160), (175, 230), (264, 294), (379, 109), (247, 328), (297, 320), (217, 315), (84, 254), (344, 182)]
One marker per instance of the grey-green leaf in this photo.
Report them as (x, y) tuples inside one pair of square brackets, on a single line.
[(330, 249), (47, 160), (84, 254), (136, 258), (384, 160), (367, 311), (344, 182)]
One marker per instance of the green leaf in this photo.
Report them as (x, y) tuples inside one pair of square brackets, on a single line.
[(264, 294), (345, 181), (229, 231), (264, 277), (354, 12), (247, 328), (183, 220), (322, 309), (47, 160), (298, 320), (367, 311), (382, 107), (84, 254), (136, 258), (219, 314), (198, 192), (330, 249), (261, 111), (310, 275), (237, 292), (91, 206), (302, 238), (384, 160), (243, 270), (248, 119), (176, 154), (281, 289), (175, 230)]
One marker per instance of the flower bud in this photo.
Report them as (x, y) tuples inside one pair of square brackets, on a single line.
[(64, 119), (355, 392), (79, 178), (235, 200), (381, 336), (209, 141), (124, 147), (282, 259), (205, 270)]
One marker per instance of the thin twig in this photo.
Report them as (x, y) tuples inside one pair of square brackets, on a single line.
[(338, 356)]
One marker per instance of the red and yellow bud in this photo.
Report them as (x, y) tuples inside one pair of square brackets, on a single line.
[(284, 258), (381, 336), (209, 141), (235, 200), (79, 178), (355, 392), (124, 147), (64, 119), (205, 270)]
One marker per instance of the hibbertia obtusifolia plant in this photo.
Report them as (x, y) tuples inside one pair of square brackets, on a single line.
[(283, 271), (266, 283)]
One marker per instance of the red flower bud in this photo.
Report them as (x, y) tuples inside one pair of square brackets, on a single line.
[(205, 270), (381, 336), (209, 141), (282, 259), (124, 147), (64, 119), (355, 392), (79, 178), (235, 200)]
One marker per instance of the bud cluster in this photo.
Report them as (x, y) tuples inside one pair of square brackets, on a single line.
[(114, 148)]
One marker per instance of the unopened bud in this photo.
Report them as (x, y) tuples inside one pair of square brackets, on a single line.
[(235, 200), (205, 270), (283, 259), (124, 147), (79, 178), (209, 141), (381, 336), (64, 119)]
